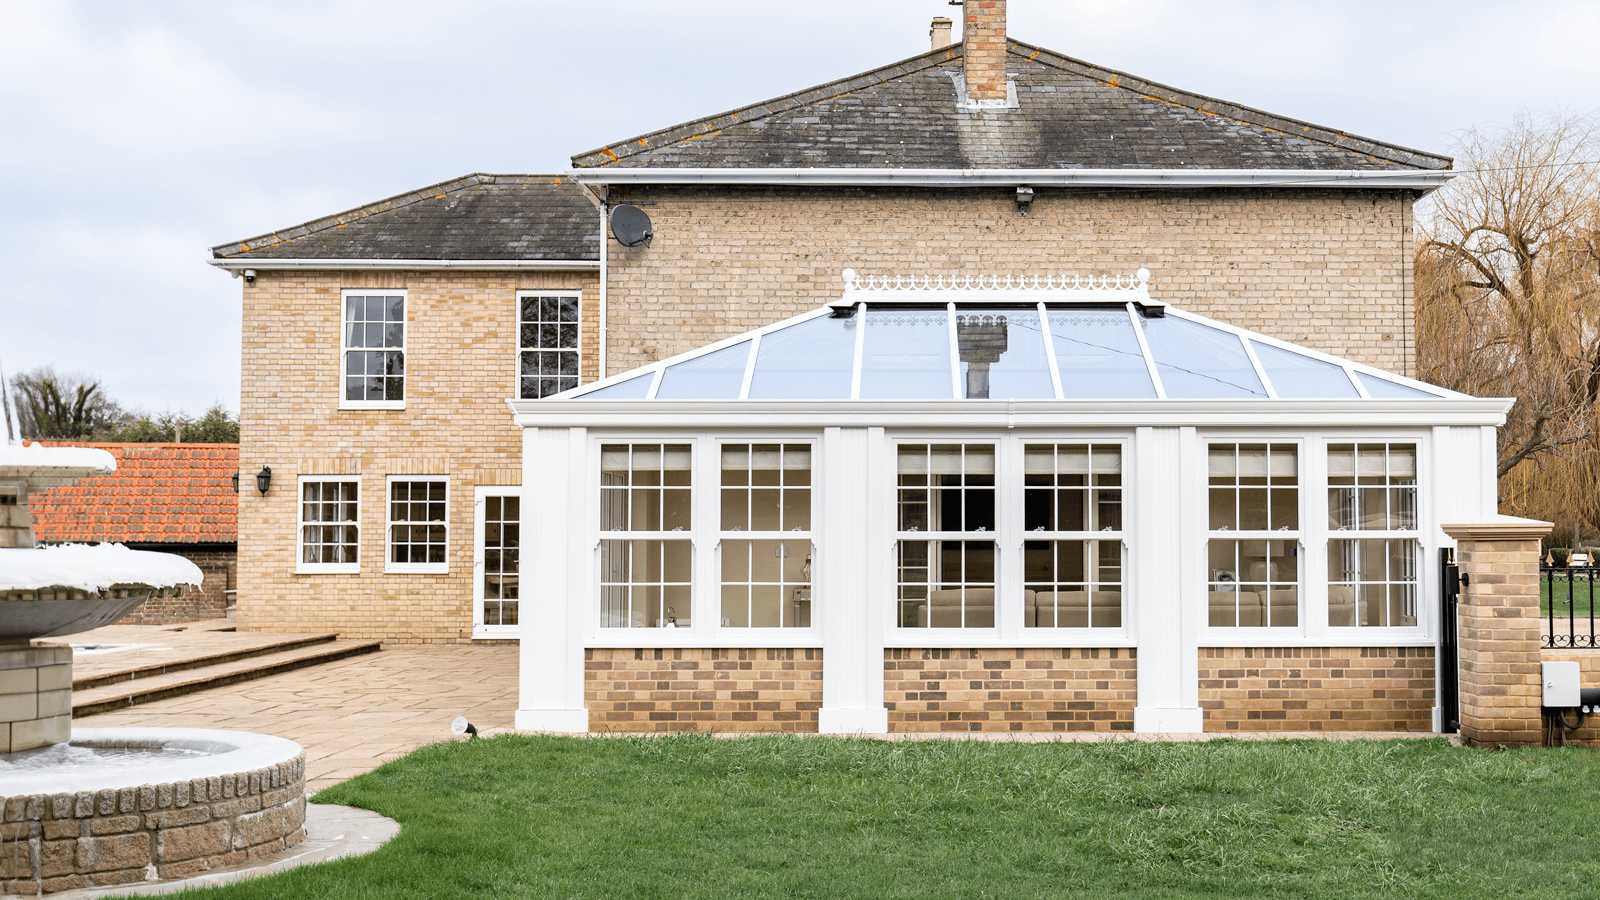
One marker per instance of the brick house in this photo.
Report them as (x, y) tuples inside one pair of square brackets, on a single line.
[(171, 498), (382, 344)]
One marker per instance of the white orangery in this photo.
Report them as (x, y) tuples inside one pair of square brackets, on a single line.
[(966, 462)]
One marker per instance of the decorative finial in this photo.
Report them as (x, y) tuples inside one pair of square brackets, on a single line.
[(849, 276), (1143, 275)]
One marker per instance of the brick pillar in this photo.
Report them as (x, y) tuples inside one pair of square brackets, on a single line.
[(983, 49), (1499, 629)]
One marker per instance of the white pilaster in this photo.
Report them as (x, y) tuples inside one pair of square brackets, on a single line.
[(550, 675), (854, 520), (1166, 465)]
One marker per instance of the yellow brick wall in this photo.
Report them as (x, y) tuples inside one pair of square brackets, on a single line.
[(1317, 688), (1010, 690), (1328, 269), (1498, 617), (703, 689), (461, 359)]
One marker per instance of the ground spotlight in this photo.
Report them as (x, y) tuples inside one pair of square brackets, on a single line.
[(462, 726)]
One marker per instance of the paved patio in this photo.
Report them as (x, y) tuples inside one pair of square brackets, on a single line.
[(356, 714)]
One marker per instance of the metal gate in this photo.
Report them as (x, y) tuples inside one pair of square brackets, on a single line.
[(1449, 643)]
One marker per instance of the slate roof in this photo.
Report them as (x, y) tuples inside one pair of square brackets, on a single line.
[(520, 217), (160, 493), (1070, 114)]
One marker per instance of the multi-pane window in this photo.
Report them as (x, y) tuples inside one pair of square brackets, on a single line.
[(1072, 552), (1254, 547), (417, 524), (329, 529), (945, 566), (1372, 579), (374, 348), (502, 529), (644, 498), (766, 535), (547, 362)]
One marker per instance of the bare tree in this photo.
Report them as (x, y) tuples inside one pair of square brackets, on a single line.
[(57, 407), (1508, 301)]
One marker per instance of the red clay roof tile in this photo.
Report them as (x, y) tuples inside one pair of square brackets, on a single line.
[(167, 493)]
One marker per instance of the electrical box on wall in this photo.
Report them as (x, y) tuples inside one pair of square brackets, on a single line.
[(1561, 684)]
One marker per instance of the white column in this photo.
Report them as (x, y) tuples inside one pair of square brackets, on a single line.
[(1164, 599), (556, 544), (854, 528)]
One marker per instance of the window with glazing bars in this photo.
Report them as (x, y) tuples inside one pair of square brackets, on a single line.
[(548, 335), (945, 565), (329, 527), (502, 533), (374, 348), (1072, 551), (1372, 579), (645, 576), (417, 523), (766, 535), (1253, 553)]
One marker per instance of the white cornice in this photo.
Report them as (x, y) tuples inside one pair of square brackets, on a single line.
[(240, 263), (1414, 179)]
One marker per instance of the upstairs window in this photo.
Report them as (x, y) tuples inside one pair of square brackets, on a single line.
[(374, 350), (548, 337)]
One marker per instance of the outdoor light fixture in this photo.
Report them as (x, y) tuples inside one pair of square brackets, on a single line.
[(1024, 198), (249, 276), (462, 726), (235, 480), (264, 479)]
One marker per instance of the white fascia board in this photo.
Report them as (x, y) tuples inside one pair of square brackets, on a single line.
[(239, 264), (1415, 179), (990, 414)]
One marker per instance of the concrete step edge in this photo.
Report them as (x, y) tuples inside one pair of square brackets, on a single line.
[(123, 699), (151, 670)]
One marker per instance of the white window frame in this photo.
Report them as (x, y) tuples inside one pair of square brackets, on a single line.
[(717, 536), (301, 566), (1122, 535), (516, 361), (345, 349), (699, 597), (1256, 635), (480, 495), (1357, 635), (426, 568)]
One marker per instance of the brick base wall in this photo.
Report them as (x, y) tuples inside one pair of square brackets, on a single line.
[(1589, 665), (1317, 688), (703, 689), (219, 568), (1010, 690)]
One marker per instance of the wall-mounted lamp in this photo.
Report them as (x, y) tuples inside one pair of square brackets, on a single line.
[(235, 480), (1024, 200), (264, 479)]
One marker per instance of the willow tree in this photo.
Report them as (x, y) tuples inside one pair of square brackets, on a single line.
[(1508, 301)]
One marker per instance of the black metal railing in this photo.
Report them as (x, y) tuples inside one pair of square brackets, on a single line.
[(1567, 605)]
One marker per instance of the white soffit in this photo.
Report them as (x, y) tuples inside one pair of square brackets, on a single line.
[(239, 264)]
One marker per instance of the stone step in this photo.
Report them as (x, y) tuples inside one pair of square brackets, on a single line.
[(151, 670), (176, 684)]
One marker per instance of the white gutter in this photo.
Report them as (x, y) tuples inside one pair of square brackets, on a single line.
[(1424, 180), (236, 264)]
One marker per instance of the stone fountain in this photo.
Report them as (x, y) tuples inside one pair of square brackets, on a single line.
[(107, 806)]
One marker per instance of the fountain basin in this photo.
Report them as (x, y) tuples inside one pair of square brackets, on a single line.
[(179, 801)]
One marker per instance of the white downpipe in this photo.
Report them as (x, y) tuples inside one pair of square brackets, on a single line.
[(604, 244)]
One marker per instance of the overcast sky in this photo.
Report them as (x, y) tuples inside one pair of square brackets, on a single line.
[(134, 136)]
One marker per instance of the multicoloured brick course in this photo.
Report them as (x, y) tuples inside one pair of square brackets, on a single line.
[(1317, 688), (703, 689), (1051, 689)]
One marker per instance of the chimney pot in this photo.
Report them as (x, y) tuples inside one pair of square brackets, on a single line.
[(983, 49), (940, 33)]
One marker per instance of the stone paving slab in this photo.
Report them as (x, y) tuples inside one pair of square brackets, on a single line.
[(353, 715), (156, 644)]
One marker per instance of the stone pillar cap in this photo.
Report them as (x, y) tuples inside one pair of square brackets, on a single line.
[(1499, 528)]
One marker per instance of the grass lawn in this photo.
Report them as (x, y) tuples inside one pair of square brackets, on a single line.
[(700, 817), (1578, 596)]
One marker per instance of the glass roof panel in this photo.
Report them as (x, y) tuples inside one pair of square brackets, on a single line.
[(906, 355), (1099, 357), (1296, 376), (632, 389), (715, 376), (1002, 355), (1384, 389), (1200, 362), (810, 360)]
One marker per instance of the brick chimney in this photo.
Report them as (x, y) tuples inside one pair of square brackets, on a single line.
[(940, 33), (983, 49)]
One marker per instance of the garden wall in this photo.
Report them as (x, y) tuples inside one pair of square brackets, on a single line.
[(1317, 688), (698, 689), (1039, 689)]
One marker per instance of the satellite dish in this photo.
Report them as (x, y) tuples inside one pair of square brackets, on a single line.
[(630, 226)]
